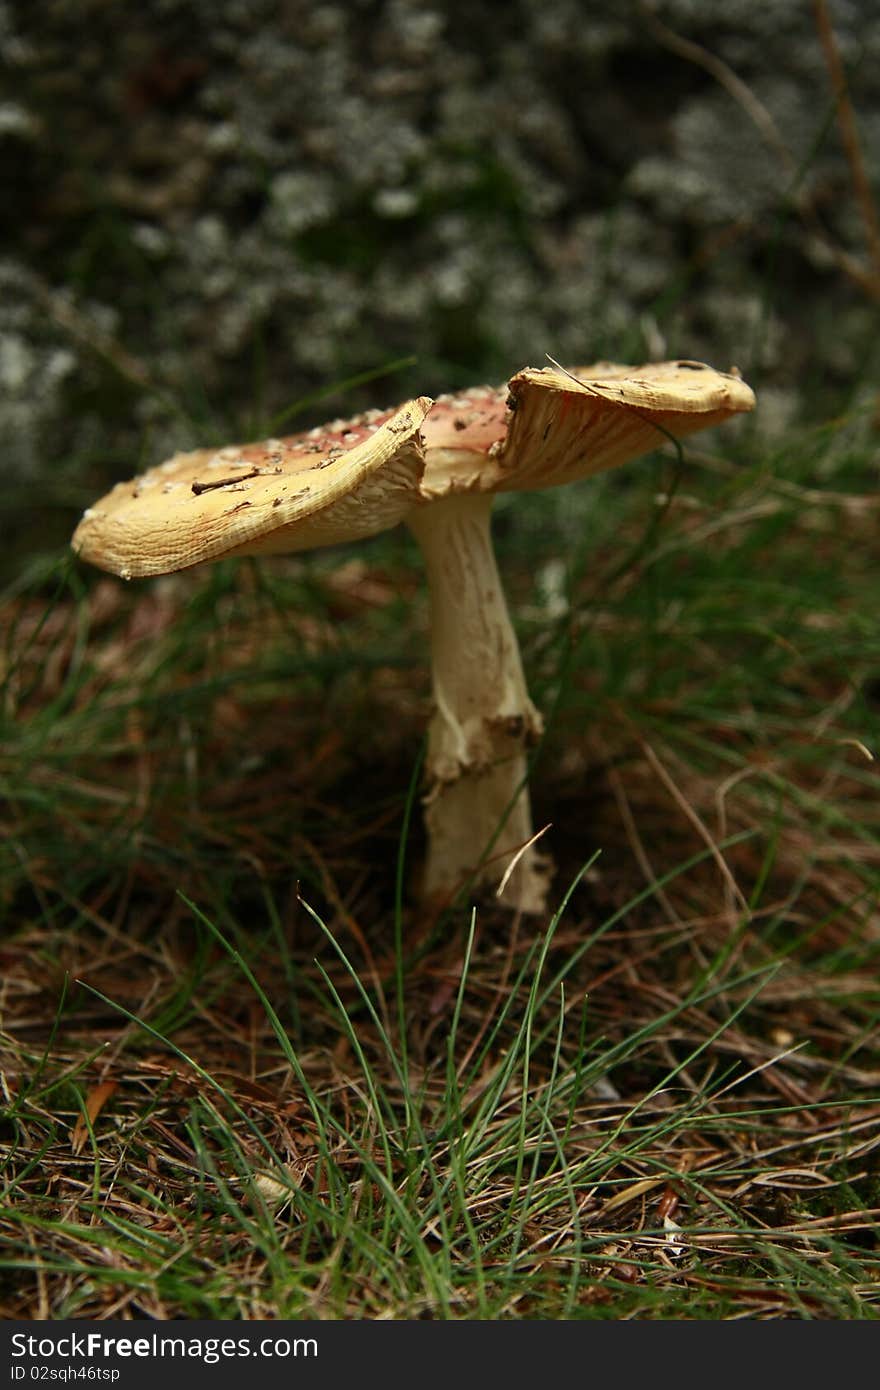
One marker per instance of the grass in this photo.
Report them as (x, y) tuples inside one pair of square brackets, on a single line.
[(245, 1075)]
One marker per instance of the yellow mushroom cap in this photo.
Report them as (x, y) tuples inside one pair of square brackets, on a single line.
[(351, 479), (340, 482), (569, 425), (549, 426)]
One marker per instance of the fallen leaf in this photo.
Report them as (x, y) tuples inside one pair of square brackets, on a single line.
[(95, 1102)]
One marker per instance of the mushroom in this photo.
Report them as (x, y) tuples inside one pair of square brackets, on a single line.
[(436, 467)]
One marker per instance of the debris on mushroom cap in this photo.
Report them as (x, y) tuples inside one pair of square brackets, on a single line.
[(340, 482), (569, 425)]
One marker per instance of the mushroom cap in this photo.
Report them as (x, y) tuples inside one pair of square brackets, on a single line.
[(339, 482), (549, 426), (351, 479), (570, 425)]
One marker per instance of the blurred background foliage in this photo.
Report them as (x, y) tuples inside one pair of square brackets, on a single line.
[(213, 207)]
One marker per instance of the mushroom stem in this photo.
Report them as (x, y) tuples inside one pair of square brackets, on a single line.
[(477, 803)]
